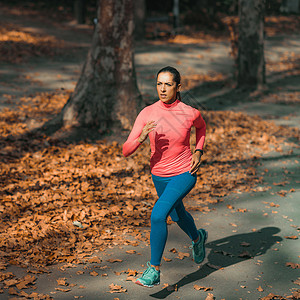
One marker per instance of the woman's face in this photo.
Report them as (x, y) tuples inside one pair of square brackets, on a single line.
[(166, 87)]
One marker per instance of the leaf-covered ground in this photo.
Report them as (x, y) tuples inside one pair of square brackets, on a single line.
[(61, 201), (17, 44)]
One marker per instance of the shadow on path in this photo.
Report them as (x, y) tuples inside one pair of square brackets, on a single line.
[(226, 252)]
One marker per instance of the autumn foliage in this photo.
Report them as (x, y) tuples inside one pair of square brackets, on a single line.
[(62, 201)]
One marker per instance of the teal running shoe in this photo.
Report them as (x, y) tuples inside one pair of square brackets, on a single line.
[(150, 277), (198, 248)]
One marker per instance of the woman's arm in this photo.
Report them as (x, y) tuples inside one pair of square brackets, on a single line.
[(200, 125), (132, 142), (138, 134)]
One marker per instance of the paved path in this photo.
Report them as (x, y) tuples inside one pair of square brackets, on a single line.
[(260, 230)]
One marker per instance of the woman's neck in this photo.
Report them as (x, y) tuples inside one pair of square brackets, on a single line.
[(169, 105)]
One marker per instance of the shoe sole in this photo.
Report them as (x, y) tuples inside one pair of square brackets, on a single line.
[(205, 239), (145, 285)]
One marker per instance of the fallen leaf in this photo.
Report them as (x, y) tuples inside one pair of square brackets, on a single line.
[(296, 294), (282, 183), (260, 289), (297, 281), (94, 273), (182, 255), (167, 259), (79, 272), (63, 290), (111, 260), (131, 278), (291, 237), (23, 282), (274, 205), (118, 273), (293, 265), (116, 289), (6, 275), (282, 193), (62, 281), (95, 259), (11, 282), (24, 294), (12, 291), (210, 297), (198, 288), (243, 210), (271, 296), (131, 272)]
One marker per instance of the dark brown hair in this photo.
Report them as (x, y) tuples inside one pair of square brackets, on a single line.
[(173, 71)]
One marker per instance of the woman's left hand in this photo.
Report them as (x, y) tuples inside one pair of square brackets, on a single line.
[(195, 163)]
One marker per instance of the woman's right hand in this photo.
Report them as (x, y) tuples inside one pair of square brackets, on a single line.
[(146, 130)]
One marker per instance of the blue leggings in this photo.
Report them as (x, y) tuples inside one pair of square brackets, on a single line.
[(171, 191)]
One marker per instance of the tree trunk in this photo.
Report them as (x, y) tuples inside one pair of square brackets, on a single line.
[(106, 93), (176, 14), (139, 19), (251, 62), (79, 11)]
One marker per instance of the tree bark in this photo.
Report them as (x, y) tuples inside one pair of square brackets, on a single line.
[(176, 14), (251, 62), (79, 11), (139, 19), (106, 93)]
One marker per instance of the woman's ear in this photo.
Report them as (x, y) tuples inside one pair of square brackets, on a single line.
[(178, 87)]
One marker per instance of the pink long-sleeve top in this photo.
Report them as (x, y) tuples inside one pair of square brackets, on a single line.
[(170, 140)]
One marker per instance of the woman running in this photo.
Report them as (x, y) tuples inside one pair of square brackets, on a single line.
[(168, 123)]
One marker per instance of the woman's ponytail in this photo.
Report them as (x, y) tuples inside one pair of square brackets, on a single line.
[(178, 96)]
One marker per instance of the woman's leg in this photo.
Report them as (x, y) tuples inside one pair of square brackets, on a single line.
[(186, 221), (183, 218), (175, 189), (160, 183)]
